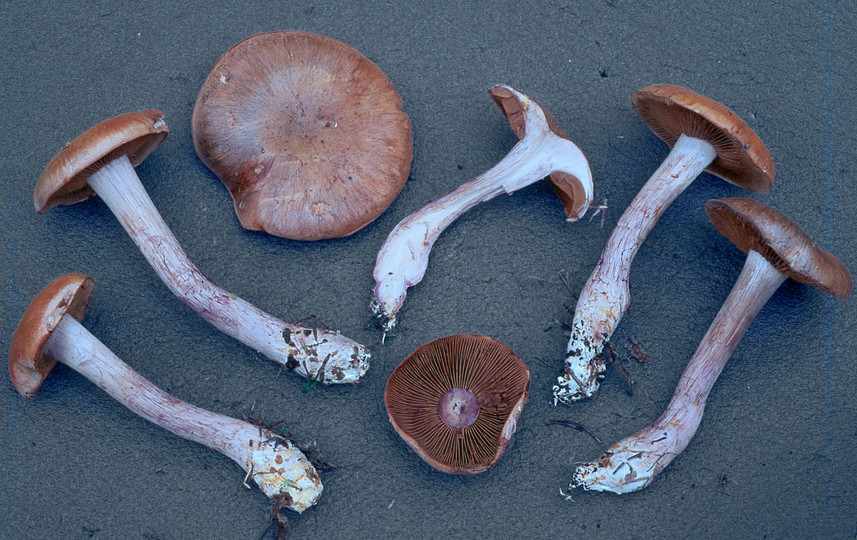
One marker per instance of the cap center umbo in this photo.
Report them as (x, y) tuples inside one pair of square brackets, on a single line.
[(458, 408)]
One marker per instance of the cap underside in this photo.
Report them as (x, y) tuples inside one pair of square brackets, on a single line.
[(742, 159), (568, 189), (28, 365), (476, 364), (135, 135), (751, 225)]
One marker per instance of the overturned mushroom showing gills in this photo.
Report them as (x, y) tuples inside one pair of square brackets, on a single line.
[(456, 401), (776, 249), (704, 136), (101, 161), (307, 134), (544, 149), (50, 332)]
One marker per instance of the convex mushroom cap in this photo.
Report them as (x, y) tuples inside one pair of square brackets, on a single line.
[(28, 364), (776, 249), (703, 136), (751, 225), (50, 332), (135, 135), (456, 400), (671, 111), (101, 162), (307, 134)]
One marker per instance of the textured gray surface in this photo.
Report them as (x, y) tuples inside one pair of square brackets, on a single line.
[(780, 424)]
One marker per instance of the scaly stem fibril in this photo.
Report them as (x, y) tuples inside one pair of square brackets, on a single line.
[(278, 467), (320, 355), (606, 296), (402, 260), (634, 462)]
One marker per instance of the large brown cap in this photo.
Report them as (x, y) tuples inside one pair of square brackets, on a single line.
[(28, 364), (135, 135), (671, 111), (307, 134), (751, 225), (456, 401), (568, 188)]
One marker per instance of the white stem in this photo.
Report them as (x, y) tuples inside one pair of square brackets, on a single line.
[(606, 295), (402, 260), (280, 469), (322, 355), (634, 462)]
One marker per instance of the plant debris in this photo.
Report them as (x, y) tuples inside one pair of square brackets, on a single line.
[(637, 352), (574, 425), (613, 358)]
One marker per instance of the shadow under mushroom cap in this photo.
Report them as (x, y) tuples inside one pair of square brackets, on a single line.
[(481, 366)]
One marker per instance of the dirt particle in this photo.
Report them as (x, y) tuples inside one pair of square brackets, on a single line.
[(292, 363)]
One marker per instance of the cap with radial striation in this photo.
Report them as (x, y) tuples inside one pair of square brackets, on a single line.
[(456, 401)]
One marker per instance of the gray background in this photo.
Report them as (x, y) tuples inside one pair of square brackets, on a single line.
[(780, 424)]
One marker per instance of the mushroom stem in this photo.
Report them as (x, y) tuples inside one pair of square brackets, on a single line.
[(606, 295), (634, 462), (279, 468), (321, 355), (403, 258)]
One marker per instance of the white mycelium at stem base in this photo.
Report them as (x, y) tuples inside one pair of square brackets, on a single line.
[(634, 462), (281, 470), (402, 260), (322, 355), (605, 297)]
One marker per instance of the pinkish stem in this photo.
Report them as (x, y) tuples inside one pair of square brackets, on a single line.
[(322, 355), (606, 295), (633, 463), (403, 258), (280, 469)]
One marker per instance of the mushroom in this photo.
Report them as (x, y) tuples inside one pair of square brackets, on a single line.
[(776, 249), (544, 149), (456, 401), (101, 161), (307, 134), (704, 135), (50, 332)]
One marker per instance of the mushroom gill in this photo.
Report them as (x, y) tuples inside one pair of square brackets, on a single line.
[(456, 401)]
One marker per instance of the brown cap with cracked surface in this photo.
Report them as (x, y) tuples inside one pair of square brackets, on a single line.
[(135, 135), (751, 225), (566, 186), (28, 364), (670, 111), (307, 134), (456, 401)]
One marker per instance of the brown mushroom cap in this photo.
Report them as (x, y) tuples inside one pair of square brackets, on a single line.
[(568, 188), (477, 365), (28, 364), (135, 135), (670, 111), (307, 134), (751, 225)]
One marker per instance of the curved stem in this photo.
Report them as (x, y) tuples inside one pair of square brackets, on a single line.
[(634, 462), (280, 469), (403, 258), (606, 295), (322, 355)]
